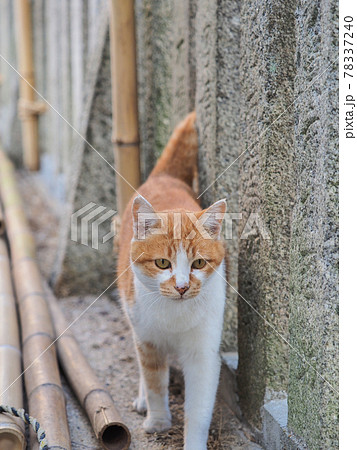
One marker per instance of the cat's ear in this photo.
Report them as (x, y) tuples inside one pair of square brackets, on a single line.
[(212, 217), (144, 217)]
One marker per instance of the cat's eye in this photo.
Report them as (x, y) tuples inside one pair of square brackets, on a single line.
[(163, 263), (198, 263)]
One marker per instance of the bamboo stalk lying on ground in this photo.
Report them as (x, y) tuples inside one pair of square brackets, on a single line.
[(12, 430), (43, 386), (92, 395)]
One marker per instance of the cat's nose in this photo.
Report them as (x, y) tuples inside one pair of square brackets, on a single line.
[(182, 290)]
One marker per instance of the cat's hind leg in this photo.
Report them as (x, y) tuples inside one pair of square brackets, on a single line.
[(155, 376)]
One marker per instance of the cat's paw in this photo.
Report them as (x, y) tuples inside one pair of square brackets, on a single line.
[(139, 404), (156, 424)]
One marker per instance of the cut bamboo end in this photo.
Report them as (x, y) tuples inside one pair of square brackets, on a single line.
[(111, 433), (11, 435)]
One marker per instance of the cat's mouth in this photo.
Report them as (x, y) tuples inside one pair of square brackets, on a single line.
[(179, 298)]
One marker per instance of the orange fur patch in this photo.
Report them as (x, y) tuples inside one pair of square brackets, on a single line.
[(152, 363)]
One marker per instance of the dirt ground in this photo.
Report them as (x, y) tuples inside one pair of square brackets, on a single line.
[(105, 339)]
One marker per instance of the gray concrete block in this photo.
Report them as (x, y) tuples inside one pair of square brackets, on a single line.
[(275, 432), (266, 186), (166, 72), (80, 268), (181, 104), (313, 403), (275, 417), (154, 42), (217, 102)]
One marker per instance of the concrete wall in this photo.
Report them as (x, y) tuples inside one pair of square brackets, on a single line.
[(266, 186), (314, 235), (252, 62), (216, 103), (166, 71), (262, 77)]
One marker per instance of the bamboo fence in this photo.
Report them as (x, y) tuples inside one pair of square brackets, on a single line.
[(42, 379), (94, 398), (124, 99), (12, 430)]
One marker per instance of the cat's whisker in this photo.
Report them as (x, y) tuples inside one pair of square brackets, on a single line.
[(152, 304), (150, 293)]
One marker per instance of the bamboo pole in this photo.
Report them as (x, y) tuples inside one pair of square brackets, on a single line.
[(124, 99), (28, 107), (92, 395), (42, 379), (2, 221), (12, 430)]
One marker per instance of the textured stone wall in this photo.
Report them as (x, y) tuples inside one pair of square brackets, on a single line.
[(84, 268), (266, 187), (166, 71), (313, 404), (217, 101), (255, 62), (154, 24)]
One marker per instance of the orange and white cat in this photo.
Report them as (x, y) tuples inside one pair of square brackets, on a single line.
[(172, 283)]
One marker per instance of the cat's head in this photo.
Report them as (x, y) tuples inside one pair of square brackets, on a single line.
[(174, 253)]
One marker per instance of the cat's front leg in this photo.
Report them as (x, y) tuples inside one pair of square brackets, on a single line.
[(201, 371), (140, 402), (155, 376)]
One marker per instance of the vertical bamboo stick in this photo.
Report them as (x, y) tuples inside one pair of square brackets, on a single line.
[(12, 430), (2, 221), (43, 386), (124, 99), (92, 395), (28, 117)]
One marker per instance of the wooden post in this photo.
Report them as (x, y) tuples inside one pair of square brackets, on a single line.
[(12, 430), (124, 99), (43, 385), (29, 109)]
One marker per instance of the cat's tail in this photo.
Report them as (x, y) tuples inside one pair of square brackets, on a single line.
[(179, 158)]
